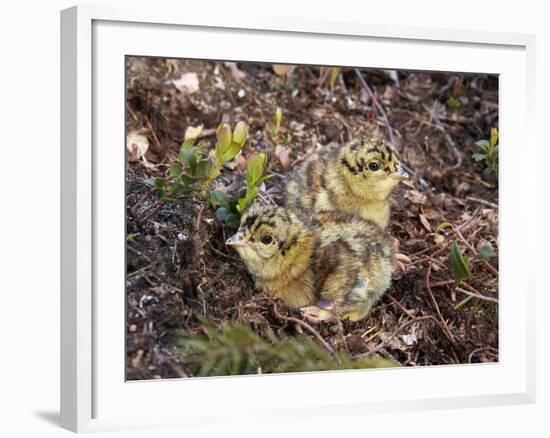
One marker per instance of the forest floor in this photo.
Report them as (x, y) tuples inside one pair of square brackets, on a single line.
[(179, 269)]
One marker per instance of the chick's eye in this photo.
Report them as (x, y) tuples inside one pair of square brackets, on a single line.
[(374, 166), (266, 239)]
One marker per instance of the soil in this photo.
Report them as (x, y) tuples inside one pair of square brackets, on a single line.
[(179, 269)]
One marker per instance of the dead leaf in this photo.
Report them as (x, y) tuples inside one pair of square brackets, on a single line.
[(188, 83), (425, 222), (237, 73), (218, 83), (193, 132), (438, 238), (136, 360), (409, 339), (241, 162), (415, 197), (283, 154), (281, 69), (136, 144)]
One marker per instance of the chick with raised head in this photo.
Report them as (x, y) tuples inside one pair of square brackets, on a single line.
[(345, 260), (357, 178)]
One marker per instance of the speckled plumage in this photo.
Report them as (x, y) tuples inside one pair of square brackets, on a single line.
[(346, 259), (340, 178)]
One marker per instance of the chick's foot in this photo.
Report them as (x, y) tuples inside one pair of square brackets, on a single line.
[(399, 259), (323, 311)]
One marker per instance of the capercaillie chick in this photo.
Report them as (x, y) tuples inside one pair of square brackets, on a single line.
[(345, 260), (355, 178)]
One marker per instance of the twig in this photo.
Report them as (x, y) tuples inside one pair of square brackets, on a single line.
[(305, 326), (470, 246), (199, 217), (151, 212), (389, 128), (342, 83), (227, 256), (201, 294), (443, 283), (395, 333), (447, 332), (153, 133), (401, 306), (141, 200), (478, 350), (477, 295), (138, 272), (482, 201), (377, 103), (445, 242), (450, 142)]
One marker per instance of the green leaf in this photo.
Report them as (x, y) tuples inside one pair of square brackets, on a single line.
[(249, 196), (334, 72), (187, 144), (263, 178), (233, 221), (187, 150), (240, 134), (241, 205), (177, 189), (453, 103), (203, 168), (483, 144), (217, 197), (231, 152), (255, 168), (479, 157), (187, 179), (189, 156), (160, 183), (131, 237), (464, 301), (176, 169), (485, 253), (277, 118), (221, 214), (193, 162), (443, 225), (223, 134), (494, 137), (459, 263)]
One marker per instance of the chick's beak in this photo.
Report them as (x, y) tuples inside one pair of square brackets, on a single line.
[(236, 240), (400, 175)]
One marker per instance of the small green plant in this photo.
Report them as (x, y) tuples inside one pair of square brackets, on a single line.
[(276, 133), (230, 207), (131, 237), (489, 154), (195, 170), (279, 139), (329, 74), (461, 264), (457, 100), (236, 349)]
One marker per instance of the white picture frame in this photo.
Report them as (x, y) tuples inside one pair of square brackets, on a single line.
[(94, 397)]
